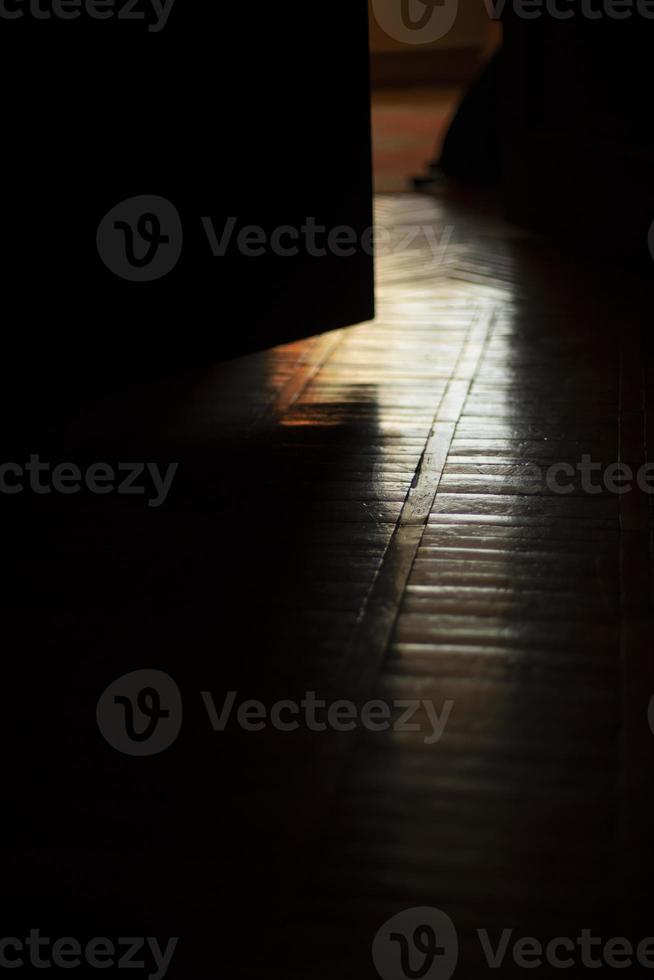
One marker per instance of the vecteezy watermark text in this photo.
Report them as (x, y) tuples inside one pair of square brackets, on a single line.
[(100, 953), (427, 21), (588, 476), (141, 239), (317, 240), (423, 942), (318, 715), (43, 478), (141, 714), (568, 9), (154, 13)]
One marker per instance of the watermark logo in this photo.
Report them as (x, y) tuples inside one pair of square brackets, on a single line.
[(40, 477), (587, 476), (154, 13), (141, 713), (416, 21), (98, 953), (426, 21), (141, 238), (423, 943), (319, 715), (416, 944)]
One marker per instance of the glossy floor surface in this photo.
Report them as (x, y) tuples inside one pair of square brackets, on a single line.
[(368, 515)]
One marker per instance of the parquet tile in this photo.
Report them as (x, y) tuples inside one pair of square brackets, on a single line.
[(356, 515)]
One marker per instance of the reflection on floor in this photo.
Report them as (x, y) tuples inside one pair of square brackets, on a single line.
[(360, 516), (526, 608)]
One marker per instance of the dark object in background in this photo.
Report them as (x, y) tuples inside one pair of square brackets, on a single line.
[(472, 149), (224, 116), (580, 140), (561, 116), (261, 116)]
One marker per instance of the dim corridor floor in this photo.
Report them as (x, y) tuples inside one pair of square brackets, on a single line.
[(361, 515)]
